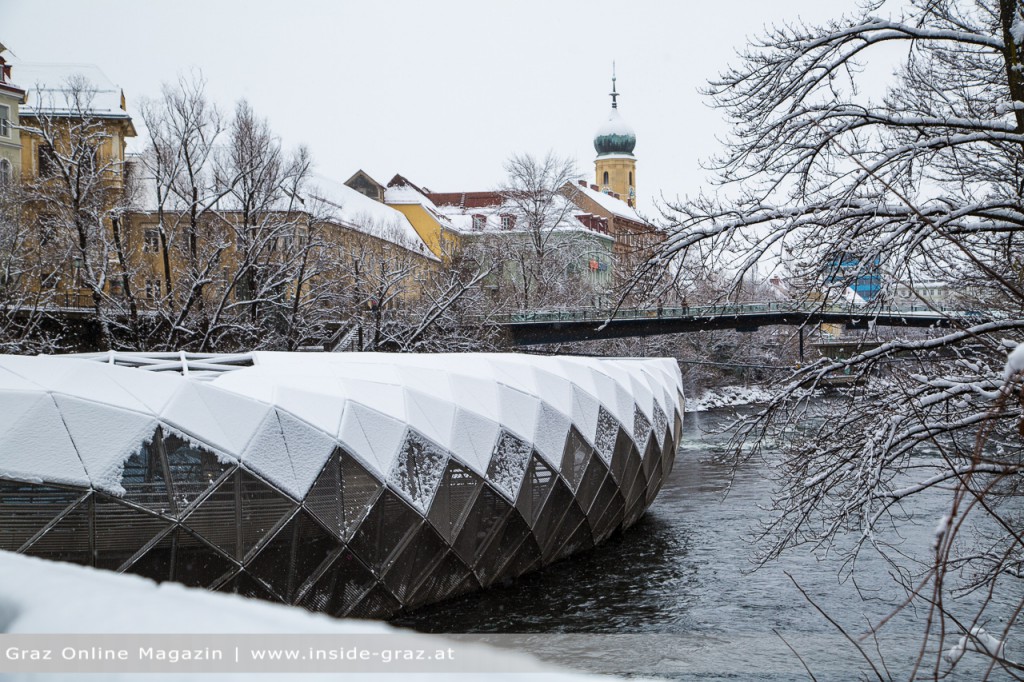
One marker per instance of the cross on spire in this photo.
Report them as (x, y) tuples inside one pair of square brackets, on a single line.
[(613, 93)]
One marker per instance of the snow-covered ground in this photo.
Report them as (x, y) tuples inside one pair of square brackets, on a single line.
[(728, 396), (39, 596)]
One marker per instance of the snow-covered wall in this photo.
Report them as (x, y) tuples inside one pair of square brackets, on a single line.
[(355, 484)]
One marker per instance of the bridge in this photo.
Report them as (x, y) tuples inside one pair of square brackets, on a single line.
[(560, 326)]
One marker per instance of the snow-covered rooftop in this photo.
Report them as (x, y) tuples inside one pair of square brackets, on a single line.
[(49, 90), (359, 212), (608, 202), (462, 218)]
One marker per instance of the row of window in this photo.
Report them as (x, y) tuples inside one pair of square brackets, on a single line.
[(151, 241), (508, 222)]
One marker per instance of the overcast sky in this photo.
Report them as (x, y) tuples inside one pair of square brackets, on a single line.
[(441, 92)]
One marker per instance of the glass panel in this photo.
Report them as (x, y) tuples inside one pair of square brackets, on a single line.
[(294, 553), (580, 541), (562, 545), (654, 484), (193, 470), (121, 531), (527, 558), (384, 531), (503, 549), (449, 578), (197, 564), (144, 477), (416, 562), (668, 454), (651, 455), (508, 463), (248, 586), (551, 515), (216, 517), (536, 485), (591, 483), (575, 456), (623, 444), (607, 432), (27, 509), (607, 514), (453, 500), (641, 428), (418, 470), (69, 539), (340, 587), (264, 509), (342, 494), (633, 483), (483, 522), (660, 422), (378, 603), (156, 563)]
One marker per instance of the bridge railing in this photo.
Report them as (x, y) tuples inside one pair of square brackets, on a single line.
[(723, 310)]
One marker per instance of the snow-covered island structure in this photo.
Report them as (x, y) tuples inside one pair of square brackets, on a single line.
[(355, 484)]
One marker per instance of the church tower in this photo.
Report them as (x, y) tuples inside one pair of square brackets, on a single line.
[(615, 165)]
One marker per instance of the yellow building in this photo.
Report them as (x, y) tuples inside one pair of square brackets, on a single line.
[(11, 99), (615, 166)]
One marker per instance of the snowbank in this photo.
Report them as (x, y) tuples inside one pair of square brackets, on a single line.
[(728, 396)]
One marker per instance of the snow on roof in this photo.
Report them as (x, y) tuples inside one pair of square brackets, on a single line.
[(462, 218), (76, 422), (358, 211), (609, 203), (401, 194), (47, 87), (615, 125)]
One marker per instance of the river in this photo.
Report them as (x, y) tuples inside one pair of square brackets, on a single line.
[(679, 592)]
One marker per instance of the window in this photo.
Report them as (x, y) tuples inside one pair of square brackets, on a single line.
[(630, 178), (151, 240), (152, 290), (479, 222), (605, 178), (508, 222), (5, 172), (5, 121), (47, 161), (49, 280)]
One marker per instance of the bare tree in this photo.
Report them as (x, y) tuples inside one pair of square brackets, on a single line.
[(923, 182)]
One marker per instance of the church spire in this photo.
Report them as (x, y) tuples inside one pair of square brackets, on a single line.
[(614, 93)]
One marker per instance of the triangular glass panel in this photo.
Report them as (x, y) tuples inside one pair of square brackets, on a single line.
[(193, 469), (418, 469), (668, 454), (503, 549), (551, 514), (217, 517), (378, 603), (651, 455), (575, 457), (483, 522), (580, 541), (197, 564), (263, 509), (623, 444), (340, 587), (591, 483), (453, 500), (609, 490), (636, 509), (607, 432), (248, 586), (342, 494), (28, 508), (145, 477), (292, 555), (508, 464), (571, 520), (451, 577), (419, 558), (655, 482), (384, 531), (633, 484), (70, 539), (611, 521), (157, 561), (121, 531), (641, 428), (660, 422), (526, 559), (536, 485)]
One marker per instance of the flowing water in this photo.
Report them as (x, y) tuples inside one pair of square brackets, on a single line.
[(680, 583)]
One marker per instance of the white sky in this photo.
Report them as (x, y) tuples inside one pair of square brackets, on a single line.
[(442, 91)]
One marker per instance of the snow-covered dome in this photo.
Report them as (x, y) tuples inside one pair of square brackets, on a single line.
[(615, 136)]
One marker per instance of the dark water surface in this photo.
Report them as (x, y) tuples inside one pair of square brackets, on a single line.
[(681, 578)]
